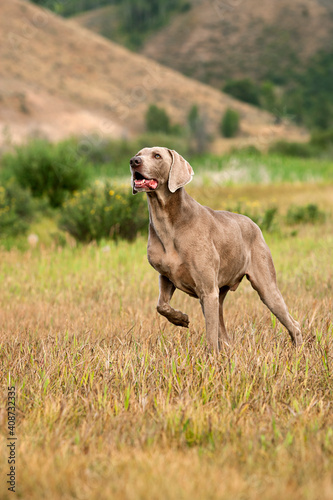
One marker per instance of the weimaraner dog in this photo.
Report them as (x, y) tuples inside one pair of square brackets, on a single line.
[(203, 252)]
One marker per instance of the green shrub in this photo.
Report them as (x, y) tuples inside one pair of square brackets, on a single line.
[(268, 97), (48, 170), (198, 134), (16, 210), (230, 123), (249, 150), (298, 149), (322, 138), (304, 214), (245, 90), (104, 211), (157, 120)]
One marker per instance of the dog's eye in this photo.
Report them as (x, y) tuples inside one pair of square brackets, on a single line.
[(157, 156)]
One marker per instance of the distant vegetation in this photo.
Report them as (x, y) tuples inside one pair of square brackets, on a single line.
[(76, 182), (48, 170), (245, 90), (306, 97), (16, 209), (230, 123), (104, 211), (135, 18), (157, 119)]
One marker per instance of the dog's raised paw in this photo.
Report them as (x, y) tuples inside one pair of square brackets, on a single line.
[(180, 319)]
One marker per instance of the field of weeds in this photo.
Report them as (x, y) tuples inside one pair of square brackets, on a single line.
[(112, 401)]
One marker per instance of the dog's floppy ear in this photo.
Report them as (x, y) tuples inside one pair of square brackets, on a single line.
[(181, 172)]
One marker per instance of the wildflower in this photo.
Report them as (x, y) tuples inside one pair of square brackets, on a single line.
[(111, 193)]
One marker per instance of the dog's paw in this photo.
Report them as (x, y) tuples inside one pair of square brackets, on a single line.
[(180, 319), (185, 321), (298, 340)]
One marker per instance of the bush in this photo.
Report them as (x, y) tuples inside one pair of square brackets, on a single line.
[(47, 169), (298, 149), (268, 98), (230, 123), (322, 138), (16, 210), (304, 214), (244, 90), (157, 120), (104, 211), (199, 138)]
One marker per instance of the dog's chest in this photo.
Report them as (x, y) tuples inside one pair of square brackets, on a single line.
[(169, 263)]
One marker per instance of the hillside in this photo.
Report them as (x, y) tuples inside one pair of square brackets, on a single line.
[(215, 41), (58, 79)]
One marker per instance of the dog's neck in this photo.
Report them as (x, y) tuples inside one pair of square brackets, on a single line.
[(166, 211)]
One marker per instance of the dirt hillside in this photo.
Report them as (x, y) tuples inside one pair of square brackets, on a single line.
[(58, 78), (221, 39), (218, 40)]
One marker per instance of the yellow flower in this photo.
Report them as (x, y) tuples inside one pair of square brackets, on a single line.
[(118, 197), (111, 193), (92, 211)]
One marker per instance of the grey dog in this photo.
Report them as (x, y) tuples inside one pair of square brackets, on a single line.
[(203, 252)]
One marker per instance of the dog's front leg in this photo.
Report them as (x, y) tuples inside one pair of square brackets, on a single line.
[(167, 289), (210, 307)]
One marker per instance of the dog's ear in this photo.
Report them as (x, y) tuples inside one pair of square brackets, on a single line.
[(181, 172)]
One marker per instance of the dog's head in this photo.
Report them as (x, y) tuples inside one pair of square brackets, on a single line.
[(159, 168)]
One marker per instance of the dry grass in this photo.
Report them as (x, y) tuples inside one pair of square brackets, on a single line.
[(114, 402)]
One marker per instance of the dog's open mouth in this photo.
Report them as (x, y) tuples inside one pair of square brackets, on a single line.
[(141, 182)]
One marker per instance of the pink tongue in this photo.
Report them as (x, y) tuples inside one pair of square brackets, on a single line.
[(152, 184), (149, 183)]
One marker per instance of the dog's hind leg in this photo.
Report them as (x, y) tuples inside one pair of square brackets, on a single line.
[(263, 279), (167, 289), (223, 336)]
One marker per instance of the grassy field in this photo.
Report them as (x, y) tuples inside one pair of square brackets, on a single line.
[(115, 402), (240, 168)]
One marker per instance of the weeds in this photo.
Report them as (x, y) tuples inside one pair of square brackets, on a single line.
[(104, 211), (47, 170), (308, 214), (16, 210)]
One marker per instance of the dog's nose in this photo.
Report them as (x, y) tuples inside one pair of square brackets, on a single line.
[(136, 161)]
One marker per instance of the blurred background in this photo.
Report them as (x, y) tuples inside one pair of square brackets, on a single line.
[(269, 62), (236, 86)]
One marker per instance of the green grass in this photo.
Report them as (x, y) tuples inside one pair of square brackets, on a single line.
[(242, 168), (239, 168)]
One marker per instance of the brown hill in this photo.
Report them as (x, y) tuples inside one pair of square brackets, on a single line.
[(215, 41), (263, 39), (61, 79)]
